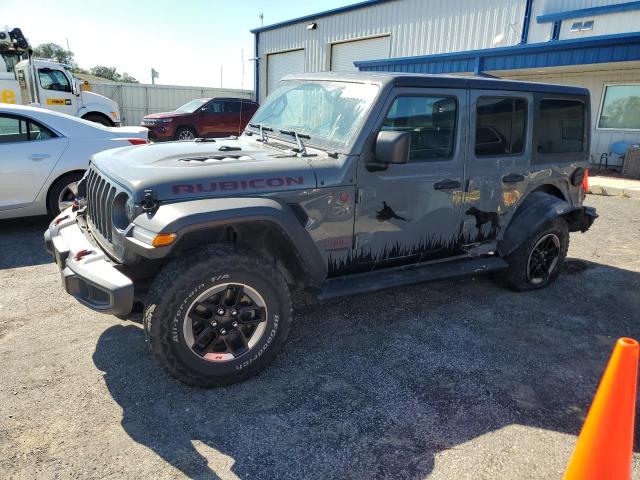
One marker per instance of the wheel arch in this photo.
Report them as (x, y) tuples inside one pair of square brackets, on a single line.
[(95, 113), (538, 207), (263, 225)]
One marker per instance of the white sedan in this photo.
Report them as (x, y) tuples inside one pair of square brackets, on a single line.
[(43, 154)]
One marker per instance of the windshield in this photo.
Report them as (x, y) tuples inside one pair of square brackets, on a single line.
[(192, 106), (330, 113)]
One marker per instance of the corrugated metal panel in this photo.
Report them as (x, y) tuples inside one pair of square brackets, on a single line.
[(281, 64), (595, 81), (137, 100), (345, 53), (541, 32), (416, 27)]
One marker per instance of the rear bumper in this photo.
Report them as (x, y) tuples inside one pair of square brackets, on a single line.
[(91, 278), (582, 219)]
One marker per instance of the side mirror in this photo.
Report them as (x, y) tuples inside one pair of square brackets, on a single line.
[(393, 147)]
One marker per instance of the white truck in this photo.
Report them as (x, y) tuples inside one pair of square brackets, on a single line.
[(42, 83)]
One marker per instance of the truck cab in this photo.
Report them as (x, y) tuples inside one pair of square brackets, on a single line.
[(47, 84)]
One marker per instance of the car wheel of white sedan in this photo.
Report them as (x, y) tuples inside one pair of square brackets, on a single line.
[(63, 192)]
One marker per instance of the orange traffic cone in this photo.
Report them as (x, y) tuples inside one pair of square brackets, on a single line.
[(605, 445)]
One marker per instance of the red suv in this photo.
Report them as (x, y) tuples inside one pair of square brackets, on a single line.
[(203, 117)]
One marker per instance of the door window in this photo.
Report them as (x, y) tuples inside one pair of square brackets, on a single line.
[(54, 80), (15, 129), (560, 126), (232, 107), (431, 121), (214, 107), (500, 126)]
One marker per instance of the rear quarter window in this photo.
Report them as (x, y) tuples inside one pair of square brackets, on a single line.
[(560, 125)]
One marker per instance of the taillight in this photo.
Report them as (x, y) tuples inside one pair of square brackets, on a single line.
[(137, 141), (585, 181)]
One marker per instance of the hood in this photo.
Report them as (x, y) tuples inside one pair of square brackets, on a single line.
[(90, 97), (187, 170), (166, 115)]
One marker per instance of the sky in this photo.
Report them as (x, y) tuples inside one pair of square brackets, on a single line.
[(186, 41)]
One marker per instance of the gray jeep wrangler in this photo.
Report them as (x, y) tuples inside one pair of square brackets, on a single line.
[(341, 184)]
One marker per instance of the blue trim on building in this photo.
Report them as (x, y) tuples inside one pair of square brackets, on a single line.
[(555, 32), (318, 15), (622, 47), (256, 67), (526, 22), (588, 12)]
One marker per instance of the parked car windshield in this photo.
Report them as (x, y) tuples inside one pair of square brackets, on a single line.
[(330, 113), (192, 106)]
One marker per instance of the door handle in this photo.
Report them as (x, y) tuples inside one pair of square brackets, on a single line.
[(39, 156), (447, 185), (513, 178)]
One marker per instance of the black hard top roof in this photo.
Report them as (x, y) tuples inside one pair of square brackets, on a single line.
[(442, 81)]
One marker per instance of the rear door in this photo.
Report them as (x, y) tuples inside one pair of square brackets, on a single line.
[(498, 157), (233, 117), (410, 212), (28, 153)]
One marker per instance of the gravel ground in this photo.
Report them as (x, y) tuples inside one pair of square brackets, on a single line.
[(448, 381)]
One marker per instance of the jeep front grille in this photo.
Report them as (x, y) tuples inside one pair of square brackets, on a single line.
[(100, 195)]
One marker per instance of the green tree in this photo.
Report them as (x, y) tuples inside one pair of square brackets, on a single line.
[(55, 52), (111, 73)]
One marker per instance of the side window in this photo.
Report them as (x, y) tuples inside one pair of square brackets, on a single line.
[(214, 107), (54, 80), (560, 126), (232, 107), (500, 126), (431, 121), (248, 107), (13, 130)]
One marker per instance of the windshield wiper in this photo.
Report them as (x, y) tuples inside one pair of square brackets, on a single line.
[(262, 128), (301, 148)]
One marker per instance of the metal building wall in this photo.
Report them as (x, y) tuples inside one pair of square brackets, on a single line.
[(595, 81), (137, 100), (417, 27), (605, 24)]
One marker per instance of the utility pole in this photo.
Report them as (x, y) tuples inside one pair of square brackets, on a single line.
[(154, 75), (261, 17), (220, 76)]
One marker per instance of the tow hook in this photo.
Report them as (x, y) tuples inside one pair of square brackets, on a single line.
[(81, 254)]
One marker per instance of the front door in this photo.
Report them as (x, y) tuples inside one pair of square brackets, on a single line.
[(410, 212), (497, 161), (56, 92), (28, 153), (211, 119)]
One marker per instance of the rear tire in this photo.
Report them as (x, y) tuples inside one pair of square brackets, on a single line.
[(97, 118), (190, 324), (185, 134), (537, 262), (62, 192)]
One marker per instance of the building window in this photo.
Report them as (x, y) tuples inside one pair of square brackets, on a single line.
[(431, 121), (560, 126), (581, 26), (620, 107), (500, 126)]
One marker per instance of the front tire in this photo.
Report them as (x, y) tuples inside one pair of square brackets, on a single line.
[(537, 262), (98, 118), (218, 316), (185, 134)]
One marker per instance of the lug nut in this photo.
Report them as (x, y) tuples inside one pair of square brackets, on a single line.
[(223, 331), (234, 324), (220, 311), (234, 312), (214, 324)]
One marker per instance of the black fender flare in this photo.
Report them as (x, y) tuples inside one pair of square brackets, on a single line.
[(536, 209), (197, 215)]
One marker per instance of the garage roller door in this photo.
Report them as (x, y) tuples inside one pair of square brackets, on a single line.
[(344, 54), (281, 64)]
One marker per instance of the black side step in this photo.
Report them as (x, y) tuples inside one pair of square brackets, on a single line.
[(397, 277)]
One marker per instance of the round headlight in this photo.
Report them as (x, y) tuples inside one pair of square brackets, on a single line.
[(123, 211)]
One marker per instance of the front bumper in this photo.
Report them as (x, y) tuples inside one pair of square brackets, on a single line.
[(92, 278), (160, 132)]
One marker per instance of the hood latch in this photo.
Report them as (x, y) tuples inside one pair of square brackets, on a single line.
[(149, 203)]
